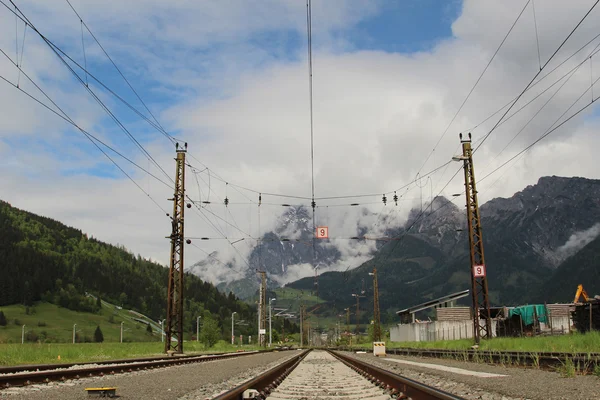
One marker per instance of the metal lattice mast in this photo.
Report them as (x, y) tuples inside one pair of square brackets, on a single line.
[(482, 327), (174, 320), (262, 309), (376, 315)]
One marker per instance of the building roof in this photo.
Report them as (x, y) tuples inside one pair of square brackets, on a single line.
[(433, 303)]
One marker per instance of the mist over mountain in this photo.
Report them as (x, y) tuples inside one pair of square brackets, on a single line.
[(528, 238)]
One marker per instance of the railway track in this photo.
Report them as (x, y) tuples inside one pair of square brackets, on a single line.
[(324, 374), (584, 362), (44, 373)]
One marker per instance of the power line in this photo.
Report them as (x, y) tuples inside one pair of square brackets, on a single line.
[(94, 140), (55, 49), (474, 86), (550, 130), (536, 75), (571, 74), (532, 86), (120, 73)]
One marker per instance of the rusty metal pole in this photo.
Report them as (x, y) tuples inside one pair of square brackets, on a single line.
[(262, 309), (481, 303), (174, 320), (376, 313)]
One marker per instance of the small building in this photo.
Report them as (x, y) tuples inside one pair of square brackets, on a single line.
[(535, 319), (451, 322)]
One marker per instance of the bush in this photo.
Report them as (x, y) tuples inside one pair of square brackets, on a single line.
[(3, 321), (209, 334), (98, 336), (41, 323), (31, 336), (17, 322)]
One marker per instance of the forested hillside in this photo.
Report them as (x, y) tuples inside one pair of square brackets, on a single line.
[(43, 260)]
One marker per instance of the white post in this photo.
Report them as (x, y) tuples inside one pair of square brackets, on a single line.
[(122, 322), (197, 329), (23, 334), (162, 331), (74, 325), (232, 335)]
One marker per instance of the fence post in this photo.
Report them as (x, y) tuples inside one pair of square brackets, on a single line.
[(521, 323)]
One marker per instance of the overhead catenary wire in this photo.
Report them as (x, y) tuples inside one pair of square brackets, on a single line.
[(171, 138), (550, 130), (94, 140), (473, 87), (54, 49), (570, 75), (536, 75), (159, 128)]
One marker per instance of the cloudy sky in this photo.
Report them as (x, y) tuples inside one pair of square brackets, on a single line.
[(230, 78)]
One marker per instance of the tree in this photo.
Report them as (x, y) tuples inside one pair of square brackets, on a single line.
[(209, 335), (3, 321), (148, 329), (98, 302), (98, 336)]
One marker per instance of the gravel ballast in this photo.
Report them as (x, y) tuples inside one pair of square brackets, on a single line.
[(520, 383), (189, 382)]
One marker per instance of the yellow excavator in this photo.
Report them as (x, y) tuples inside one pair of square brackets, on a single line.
[(581, 292)]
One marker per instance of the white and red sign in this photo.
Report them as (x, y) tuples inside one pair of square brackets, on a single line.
[(479, 271), (322, 232)]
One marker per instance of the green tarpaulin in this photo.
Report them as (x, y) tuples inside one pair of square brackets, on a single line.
[(527, 313)]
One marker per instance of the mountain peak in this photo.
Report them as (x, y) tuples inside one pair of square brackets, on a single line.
[(439, 222), (549, 191)]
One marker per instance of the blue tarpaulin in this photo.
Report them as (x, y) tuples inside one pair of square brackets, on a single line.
[(527, 313)]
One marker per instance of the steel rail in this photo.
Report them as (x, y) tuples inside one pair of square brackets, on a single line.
[(45, 367), (63, 373), (399, 386), (265, 382), (549, 360)]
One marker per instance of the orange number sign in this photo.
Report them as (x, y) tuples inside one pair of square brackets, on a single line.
[(322, 232), (478, 271)]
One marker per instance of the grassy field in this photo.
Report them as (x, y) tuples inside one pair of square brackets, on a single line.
[(34, 353), (50, 323), (292, 298), (583, 343)]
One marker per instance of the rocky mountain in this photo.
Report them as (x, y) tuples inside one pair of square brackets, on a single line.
[(531, 241), (285, 253)]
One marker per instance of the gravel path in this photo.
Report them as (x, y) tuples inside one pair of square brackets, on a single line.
[(321, 376), (519, 383), (188, 382)]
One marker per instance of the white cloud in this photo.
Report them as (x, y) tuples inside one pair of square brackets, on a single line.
[(243, 108), (578, 240)]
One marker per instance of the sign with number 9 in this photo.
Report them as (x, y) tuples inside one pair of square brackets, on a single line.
[(322, 232), (479, 271)]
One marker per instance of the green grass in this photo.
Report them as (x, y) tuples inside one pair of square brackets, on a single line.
[(291, 298), (55, 324), (581, 343), (36, 353)]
